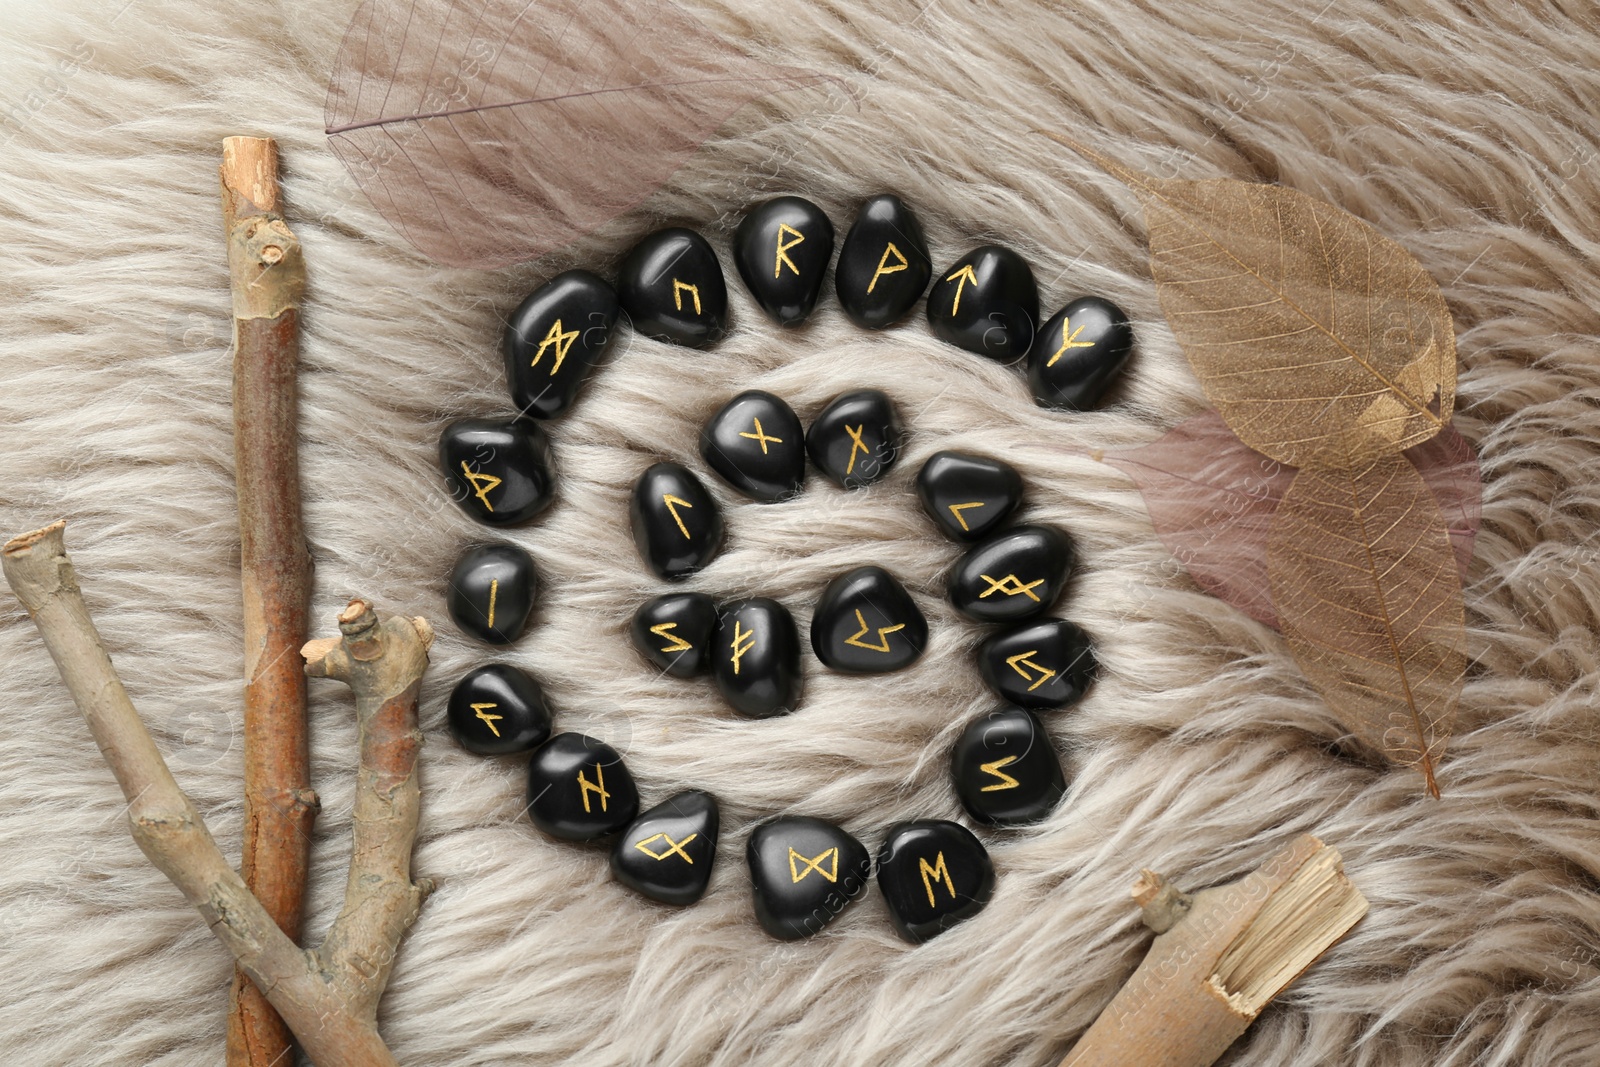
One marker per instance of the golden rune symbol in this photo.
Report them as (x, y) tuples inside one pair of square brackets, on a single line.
[(883, 635), (957, 509), (939, 872), (1021, 661), (796, 872), (761, 437), (966, 274), (672, 847), (679, 288), (562, 341), (1005, 782), (482, 712), (743, 641), (1068, 341), (856, 443), (481, 484), (598, 786), (664, 630), (1010, 585), (494, 591), (673, 503), (782, 259), (884, 268)]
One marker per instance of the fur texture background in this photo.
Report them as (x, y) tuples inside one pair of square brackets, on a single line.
[(1465, 129)]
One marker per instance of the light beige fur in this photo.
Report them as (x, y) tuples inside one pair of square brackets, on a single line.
[(1465, 129)]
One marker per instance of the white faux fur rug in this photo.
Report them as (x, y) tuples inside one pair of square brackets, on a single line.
[(1465, 129)]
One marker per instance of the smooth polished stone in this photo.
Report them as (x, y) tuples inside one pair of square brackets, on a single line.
[(933, 874), (673, 631), (492, 590), (987, 303), (968, 496), (1014, 575), (579, 788), (803, 873), (1006, 770), (883, 264), (755, 657), (672, 288), (782, 250), (554, 338), (498, 709), (677, 527), (667, 852), (1044, 664), (1080, 352), (755, 443), (866, 623), (856, 438), (498, 470)]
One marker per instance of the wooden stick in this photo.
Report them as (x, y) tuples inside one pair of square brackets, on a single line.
[(328, 997), (1219, 957), (268, 279)]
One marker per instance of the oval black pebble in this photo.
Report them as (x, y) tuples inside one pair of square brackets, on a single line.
[(1044, 664), (755, 657), (554, 338), (672, 288), (673, 631), (866, 623), (1005, 769), (579, 788), (492, 590), (1013, 575), (677, 527), (1080, 352), (782, 250), (803, 873), (883, 264), (968, 496), (498, 709), (755, 443), (987, 303), (933, 874), (667, 852), (856, 438), (498, 470)]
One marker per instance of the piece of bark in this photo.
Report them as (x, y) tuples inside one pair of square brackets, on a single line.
[(328, 997), (1219, 957), (268, 280)]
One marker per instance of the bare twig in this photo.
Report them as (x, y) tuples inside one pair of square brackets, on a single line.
[(268, 279), (328, 997)]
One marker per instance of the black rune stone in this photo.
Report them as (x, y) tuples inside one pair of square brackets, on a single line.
[(1044, 664), (755, 443), (883, 264), (756, 657), (986, 303), (866, 623), (803, 873), (492, 590), (1005, 769), (497, 710), (677, 527), (673, 631), (671, 286), (498, 470), (968, 496), (667, 852), (1080, 353), (782, 250), (579, 788), (933, 875), (1014, 575), (554, 338), (856, 439)]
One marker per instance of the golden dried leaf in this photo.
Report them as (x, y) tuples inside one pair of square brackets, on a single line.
[(1317, 338), (1369, 598)]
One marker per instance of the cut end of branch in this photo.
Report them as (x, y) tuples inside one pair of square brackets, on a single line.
[(24, 542), (1163, 903), (249, 176)]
